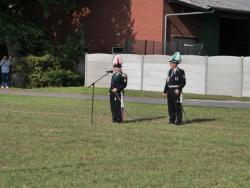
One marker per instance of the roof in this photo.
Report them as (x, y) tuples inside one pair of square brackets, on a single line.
[(227, 5)]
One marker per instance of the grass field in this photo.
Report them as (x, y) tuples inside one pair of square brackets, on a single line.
[(49, 142), (135, 93)]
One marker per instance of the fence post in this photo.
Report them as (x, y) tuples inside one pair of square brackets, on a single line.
[(206, 75), (142, 72), (145, 48), (153, 47), (241, 75), (86, 69)]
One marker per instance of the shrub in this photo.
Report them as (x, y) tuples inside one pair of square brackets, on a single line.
[(70, 52), (43, 71), (60, 77)]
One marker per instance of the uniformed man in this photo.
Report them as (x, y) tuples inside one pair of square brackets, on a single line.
[(118, 83), (173, 90)]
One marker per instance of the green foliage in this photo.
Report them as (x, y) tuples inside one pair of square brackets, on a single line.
[(21, 23), (70, 52), (36, 78), (26, 38), (21, 26), (67, 5), (33, 68), (60, 77), (23, 31), (43, 62), (44, 71)]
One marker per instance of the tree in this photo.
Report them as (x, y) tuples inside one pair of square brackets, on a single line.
[(21, 23)]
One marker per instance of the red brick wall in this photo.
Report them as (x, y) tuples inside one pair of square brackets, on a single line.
[(148, 19), (108, 23), (105, 23)]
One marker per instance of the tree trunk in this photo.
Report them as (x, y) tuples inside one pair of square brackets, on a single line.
[(10, 50)]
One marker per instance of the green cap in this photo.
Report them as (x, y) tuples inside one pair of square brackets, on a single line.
[(176, 58)]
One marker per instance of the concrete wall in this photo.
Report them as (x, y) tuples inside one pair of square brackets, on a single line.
[(95, 67), (246, 77), (155, 72), (224, 75), (218, 75), (97, 64), (195, 70), (132, 65)]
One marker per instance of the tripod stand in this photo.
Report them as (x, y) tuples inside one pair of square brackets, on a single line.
[(93, 95)]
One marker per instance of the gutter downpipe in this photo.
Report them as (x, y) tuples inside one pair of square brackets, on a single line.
[(178, 14)]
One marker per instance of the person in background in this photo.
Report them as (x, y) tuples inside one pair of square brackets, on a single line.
[(118, 84), (5, 70), (173, 90)]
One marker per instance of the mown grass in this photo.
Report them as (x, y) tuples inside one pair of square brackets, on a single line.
[(49, 142), (135, 93)]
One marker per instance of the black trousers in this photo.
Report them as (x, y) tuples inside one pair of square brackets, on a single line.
[(115, 106), (174, 108)]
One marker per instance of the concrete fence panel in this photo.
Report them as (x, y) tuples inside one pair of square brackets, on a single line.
[(224, 75), (97, 64), (195, 71), (132, 65), (155, 72), (95, 67), (218, 75), (246, 77)]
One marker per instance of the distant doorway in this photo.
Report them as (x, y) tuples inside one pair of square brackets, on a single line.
[(234, 37)]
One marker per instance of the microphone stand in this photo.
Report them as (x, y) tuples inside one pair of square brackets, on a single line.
[(93, 95)]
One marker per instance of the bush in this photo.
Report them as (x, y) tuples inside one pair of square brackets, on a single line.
[(61, 77), (70, 53), (37, 67), (43, 71)]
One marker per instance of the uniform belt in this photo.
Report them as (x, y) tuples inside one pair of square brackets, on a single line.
[(173, 86)]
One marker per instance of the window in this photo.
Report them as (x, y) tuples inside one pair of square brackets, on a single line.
[(187, 45)]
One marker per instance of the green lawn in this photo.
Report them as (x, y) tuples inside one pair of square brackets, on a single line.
[(49, 142), (135, 93)]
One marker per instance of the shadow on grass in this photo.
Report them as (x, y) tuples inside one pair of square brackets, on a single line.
[(144, 119), (198, 120), (48, 167)]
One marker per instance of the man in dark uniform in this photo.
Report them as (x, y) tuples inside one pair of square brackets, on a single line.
[(173, 90), (118, 83)]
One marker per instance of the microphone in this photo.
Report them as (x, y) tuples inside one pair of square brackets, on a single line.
[(110, 71)]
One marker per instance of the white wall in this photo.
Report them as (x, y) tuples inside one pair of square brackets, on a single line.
[(218, 75), (132, 66), (194, 67), (155, 72), (95, 67), (246, 77), (224, 75)]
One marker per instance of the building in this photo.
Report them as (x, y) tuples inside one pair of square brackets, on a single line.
[(201, 27), (225, 32), (217, 27)]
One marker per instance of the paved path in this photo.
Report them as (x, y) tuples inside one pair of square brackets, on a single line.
[(186, 102)]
